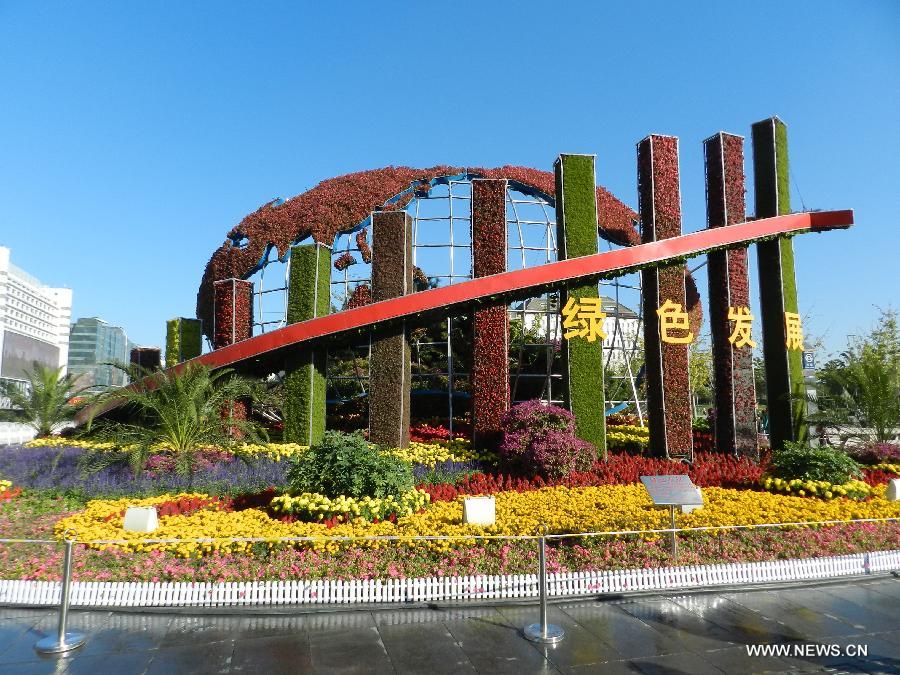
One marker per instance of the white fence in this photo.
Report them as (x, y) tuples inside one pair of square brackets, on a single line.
[(441, 589), (13, 432)]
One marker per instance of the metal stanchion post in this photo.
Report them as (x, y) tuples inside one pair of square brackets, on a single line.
[(63, 641), (543, 632), (672, 524)]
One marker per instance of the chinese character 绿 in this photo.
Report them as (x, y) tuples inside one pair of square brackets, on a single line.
[(583, 318)]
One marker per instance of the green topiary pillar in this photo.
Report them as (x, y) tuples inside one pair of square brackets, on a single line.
[(389, 364), (582, 356), (184, 340), (782, 349), (309, 297)]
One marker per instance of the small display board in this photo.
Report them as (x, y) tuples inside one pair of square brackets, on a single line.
[(672, 490)]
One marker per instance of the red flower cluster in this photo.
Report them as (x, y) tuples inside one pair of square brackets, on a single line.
[(425, 433), (362, 243), (338, 204), (704, 441), (184, 506), (344, 261), (877, 476), (9, 495), (708, 470), (361, 296)]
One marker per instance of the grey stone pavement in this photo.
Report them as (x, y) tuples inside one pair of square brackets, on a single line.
[(671, 633)]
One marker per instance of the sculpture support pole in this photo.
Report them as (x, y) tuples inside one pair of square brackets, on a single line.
[(576, 226), (389, 365), (729, 296), (668, 386), (490, 345), (785, 394), (309, 297)]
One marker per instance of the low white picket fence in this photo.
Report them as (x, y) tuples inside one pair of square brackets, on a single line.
[(12, 433), (441, 589)]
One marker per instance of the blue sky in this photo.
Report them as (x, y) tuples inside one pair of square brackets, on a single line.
[(133, 136)]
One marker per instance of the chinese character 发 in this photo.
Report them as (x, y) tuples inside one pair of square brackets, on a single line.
[(743, 319), (673, 318), (583, 319), (793, 331)]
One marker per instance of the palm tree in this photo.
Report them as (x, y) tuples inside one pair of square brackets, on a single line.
[(863, 386), (183, 412), (46, 403)]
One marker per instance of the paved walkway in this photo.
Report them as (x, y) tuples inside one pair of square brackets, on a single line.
[(696, 634)]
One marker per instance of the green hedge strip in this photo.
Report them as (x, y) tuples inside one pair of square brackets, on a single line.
[(389, 364), (576, 223), (309, 297), (777, 286)]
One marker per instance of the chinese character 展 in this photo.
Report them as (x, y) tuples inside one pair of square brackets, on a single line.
[(673, 320), (743, 319), (583, 319), (793, 331)]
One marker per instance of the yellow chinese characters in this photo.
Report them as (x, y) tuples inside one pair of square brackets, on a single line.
[(743, 321), (793, 331), (583, 318), (674, 325)]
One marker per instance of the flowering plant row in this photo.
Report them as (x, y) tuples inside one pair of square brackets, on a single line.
[(563, 510), (431, 453), (311, 506), (887, 467), (854, 489), (708, 470)]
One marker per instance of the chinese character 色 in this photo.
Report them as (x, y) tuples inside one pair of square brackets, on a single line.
[(673, 318)]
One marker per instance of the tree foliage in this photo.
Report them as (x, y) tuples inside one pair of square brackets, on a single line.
[(862, 387), (180, 412), (46, 403)]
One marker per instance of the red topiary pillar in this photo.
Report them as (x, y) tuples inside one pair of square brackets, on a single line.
[(232, 312), (667, 331), (233, 322), (729, 301), (490, 357), (389, 364)]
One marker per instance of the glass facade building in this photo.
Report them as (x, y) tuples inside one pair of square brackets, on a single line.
[(93, 345)]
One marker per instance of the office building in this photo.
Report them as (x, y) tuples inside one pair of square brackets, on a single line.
[(34, 322)]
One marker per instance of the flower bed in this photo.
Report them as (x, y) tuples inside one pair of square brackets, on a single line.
[(561, 509), (429, 453)]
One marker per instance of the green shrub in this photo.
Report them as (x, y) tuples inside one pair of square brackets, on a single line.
[(798, 460), (345, 464)]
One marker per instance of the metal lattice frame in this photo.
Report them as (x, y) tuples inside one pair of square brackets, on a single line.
[(442, 224)]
